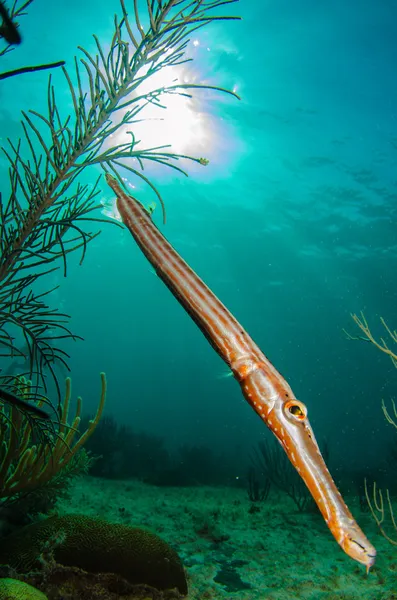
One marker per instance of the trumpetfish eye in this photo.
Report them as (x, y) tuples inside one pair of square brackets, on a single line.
[(296, 409)]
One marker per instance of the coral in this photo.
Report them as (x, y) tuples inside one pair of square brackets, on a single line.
[(45, 205), (96, 546), (273, 464), (124, 453), (378, 505), (23, 508), (13, 589), (57, 582), (36, 466), (257, 490), (193, 466)]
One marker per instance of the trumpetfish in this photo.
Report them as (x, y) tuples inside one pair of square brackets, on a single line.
[(264, 388)]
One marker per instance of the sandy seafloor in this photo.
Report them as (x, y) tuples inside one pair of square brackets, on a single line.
[(230, 553)]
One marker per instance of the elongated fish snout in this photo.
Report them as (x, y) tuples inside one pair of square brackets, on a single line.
[(288, 420), (356, 545)]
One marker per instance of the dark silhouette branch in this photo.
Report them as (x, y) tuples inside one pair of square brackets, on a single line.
[(22, 70)]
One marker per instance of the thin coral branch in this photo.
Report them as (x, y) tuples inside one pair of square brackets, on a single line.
[(381, 344), (30, 69), (389, 418), (376, 501), (378, 511)]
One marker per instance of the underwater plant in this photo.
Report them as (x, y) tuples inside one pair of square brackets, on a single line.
[(273, 463), (194, 465), (257, 488), (269, 460), (9, 31), (48, 207), (367, 336), (119, 452), (36, 465), (375, 498)]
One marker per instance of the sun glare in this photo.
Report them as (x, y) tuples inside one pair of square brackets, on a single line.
[(179, 122)]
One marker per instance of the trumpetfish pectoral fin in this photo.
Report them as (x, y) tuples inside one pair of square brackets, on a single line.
[(262, 385)]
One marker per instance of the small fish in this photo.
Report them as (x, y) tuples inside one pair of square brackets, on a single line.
[(10, 398)]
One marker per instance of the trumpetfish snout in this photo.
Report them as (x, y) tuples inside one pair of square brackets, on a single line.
[(262, 385), (296, 436), (287, 418)]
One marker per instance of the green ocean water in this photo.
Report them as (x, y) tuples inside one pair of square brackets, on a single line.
[(292, 224)]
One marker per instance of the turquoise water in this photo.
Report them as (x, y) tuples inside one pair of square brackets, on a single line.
[(291, 223)]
